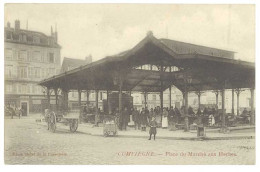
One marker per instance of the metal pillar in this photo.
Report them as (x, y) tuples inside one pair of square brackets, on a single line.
[(107, 103), (87, 96), (252, 118), (65, 99), (233, 111), (56, 98), (223, 108), (79, 98), (238, 91), (170, 91), (183, 98), (145, 99), (199, 94), (48, 98), (186, 118), (170, 96), (217, 99), (96, 100), (161, 99)]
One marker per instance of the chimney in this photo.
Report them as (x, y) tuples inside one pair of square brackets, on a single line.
[(17, 25), (8, 24)]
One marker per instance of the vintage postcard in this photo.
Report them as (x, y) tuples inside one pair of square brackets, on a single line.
[(127, 84)]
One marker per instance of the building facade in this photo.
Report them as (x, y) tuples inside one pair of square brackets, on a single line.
[(30, 56)]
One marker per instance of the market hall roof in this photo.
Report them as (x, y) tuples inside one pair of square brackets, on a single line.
[(207, 69)]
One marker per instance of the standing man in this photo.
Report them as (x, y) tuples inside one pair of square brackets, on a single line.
[(172, 119)]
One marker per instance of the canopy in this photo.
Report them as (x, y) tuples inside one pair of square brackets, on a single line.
[(198, 68)]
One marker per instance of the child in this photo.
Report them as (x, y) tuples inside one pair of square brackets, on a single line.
[(153, 125)]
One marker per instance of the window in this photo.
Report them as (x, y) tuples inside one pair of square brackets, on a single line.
[(51, 57), (44, 73), (22, 72), (154, 97), (51, 71), (24, 38), (36, 57), (34, 89), (30, 72), (42, 57), (36, 39), (9, 88), (37, 72), (23, 88), (8, 71), (28, 89), (8, 54), (22, 55)]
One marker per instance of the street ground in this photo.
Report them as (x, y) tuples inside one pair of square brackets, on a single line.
[(29, 142)]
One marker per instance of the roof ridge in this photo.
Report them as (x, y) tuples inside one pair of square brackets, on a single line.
[(196, 44)]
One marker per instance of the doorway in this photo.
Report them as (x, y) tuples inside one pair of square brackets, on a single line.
[(24, 107)]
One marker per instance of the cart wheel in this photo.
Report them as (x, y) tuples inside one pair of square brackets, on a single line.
[(73, 125), (52, 122)]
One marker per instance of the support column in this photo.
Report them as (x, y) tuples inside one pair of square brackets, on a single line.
[(186, 118), (79, 98), (107, 102), (145, 99), (65, 100), (161, 99), (161, 92), (48, 98), (56, 98), (87, 96), (170, 96), (199, 95), (238, 91), (170, 91), (223, 109), (183, 98), (216, 93), (96, 100), (233, 110), (252, 118)]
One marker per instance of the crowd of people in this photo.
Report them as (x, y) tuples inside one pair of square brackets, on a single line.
[(167, 118)]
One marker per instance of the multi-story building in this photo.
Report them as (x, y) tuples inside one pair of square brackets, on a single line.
[(30, 56)]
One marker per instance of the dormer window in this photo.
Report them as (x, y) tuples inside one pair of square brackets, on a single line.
[(36, 39), (24, 38)]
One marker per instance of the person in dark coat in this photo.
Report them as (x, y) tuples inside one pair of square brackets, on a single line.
[(172, 118), (136, 118), (143, 120), (178, 114), (153, 125), (125, 118), (190, 111)]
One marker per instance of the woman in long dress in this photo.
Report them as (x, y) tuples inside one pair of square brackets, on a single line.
[(165, 118)]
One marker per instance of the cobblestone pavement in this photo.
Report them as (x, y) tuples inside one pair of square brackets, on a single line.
[(28, 142)]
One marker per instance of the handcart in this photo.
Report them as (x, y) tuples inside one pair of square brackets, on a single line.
[(109, 125), (68, 118)]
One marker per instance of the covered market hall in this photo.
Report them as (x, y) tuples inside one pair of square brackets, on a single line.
[(199, 69)]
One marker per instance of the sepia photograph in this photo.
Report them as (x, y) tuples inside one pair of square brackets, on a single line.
[(129, 84)]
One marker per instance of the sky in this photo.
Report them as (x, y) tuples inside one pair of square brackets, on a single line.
[(107, 29)]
